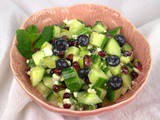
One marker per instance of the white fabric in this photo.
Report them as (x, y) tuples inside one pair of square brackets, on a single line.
[(16, 105)]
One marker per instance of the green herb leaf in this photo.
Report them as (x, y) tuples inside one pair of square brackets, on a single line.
[(46, 35), (32, 29), (34, 37), (24, 43)]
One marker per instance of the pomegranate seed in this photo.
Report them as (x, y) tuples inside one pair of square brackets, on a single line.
[(70, 57), (58, 71), (73, 43), (87, 61), (87, 80), (67, 28), (56, 88), (102, 53), (65, 37), (127, 54), (125, 69), (61, 54), (138, 65), (134, 75), (76, 65), (67, 106), (99, 105), (66, 95)]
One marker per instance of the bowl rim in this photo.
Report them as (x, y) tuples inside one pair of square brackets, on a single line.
[(73, 112)]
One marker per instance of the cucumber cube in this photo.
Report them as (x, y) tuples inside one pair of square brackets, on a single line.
[(38, 57), (50, 61)]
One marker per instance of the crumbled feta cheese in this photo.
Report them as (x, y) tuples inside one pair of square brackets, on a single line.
[(47, 51), (55, 82), (56, 77), (66, 101), (28, 73), (60, 104), (75, 94), (69, 63), (62, 78), (91, 90), (48, 71), (74, 36), (136, 70), (67, 90), (98, 49), (89, 46), (89, 53), (27, 61)]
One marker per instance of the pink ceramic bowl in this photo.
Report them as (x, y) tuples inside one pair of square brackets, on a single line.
[(89, 13)]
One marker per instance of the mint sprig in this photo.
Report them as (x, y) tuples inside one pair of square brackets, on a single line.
[(26, 38), (24, 43), (46, 35)]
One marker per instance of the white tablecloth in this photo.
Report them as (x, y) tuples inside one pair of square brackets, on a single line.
[(16, 105)]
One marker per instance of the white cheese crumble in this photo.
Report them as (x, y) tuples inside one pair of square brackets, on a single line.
[(89, 46), (47, 51), (89, 53), (66, 101), (75, 94), (27, 61), (75, 36), (55, 82), (62, 78), (98, 49), (91, 90), (69, 63), (67, 90), (136, 70), (28, 73), (60, 104), (56, 77)]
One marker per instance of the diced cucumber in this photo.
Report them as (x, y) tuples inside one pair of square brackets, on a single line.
[(96, 60), (115, 31), (36, 74), (72, 50), (31, 63), (115, 69), (107, 72), (47, 49), (76, 26), (66, 33), (97, 77), (112, 47), (50, 61), (38, 57), (76, 58), (83, 52), (71, 79), (56, 31), (113, 95), (91, 107), (79, 59), (48, 81), (61, 93), (127, 47), (54, 98), (44, 90), (127, 59), (99, 27), (80, 96), (46, 45), (83, 31), (81, 63), (91, 99), (127, 81), (101, 92), (98, 40)]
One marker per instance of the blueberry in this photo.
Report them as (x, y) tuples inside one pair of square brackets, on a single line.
[(113, 60), (120, 39), (115, 82), (83, 73), (83, 40), (60, 44), (61, 64)]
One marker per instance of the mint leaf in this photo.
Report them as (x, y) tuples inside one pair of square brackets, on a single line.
[(32, 29), (24, 43), (46, 35), (34, 37)]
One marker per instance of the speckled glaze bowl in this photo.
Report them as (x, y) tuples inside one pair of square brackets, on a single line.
[(89, 13)]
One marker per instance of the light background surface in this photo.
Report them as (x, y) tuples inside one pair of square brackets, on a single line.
[(16, 105)]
